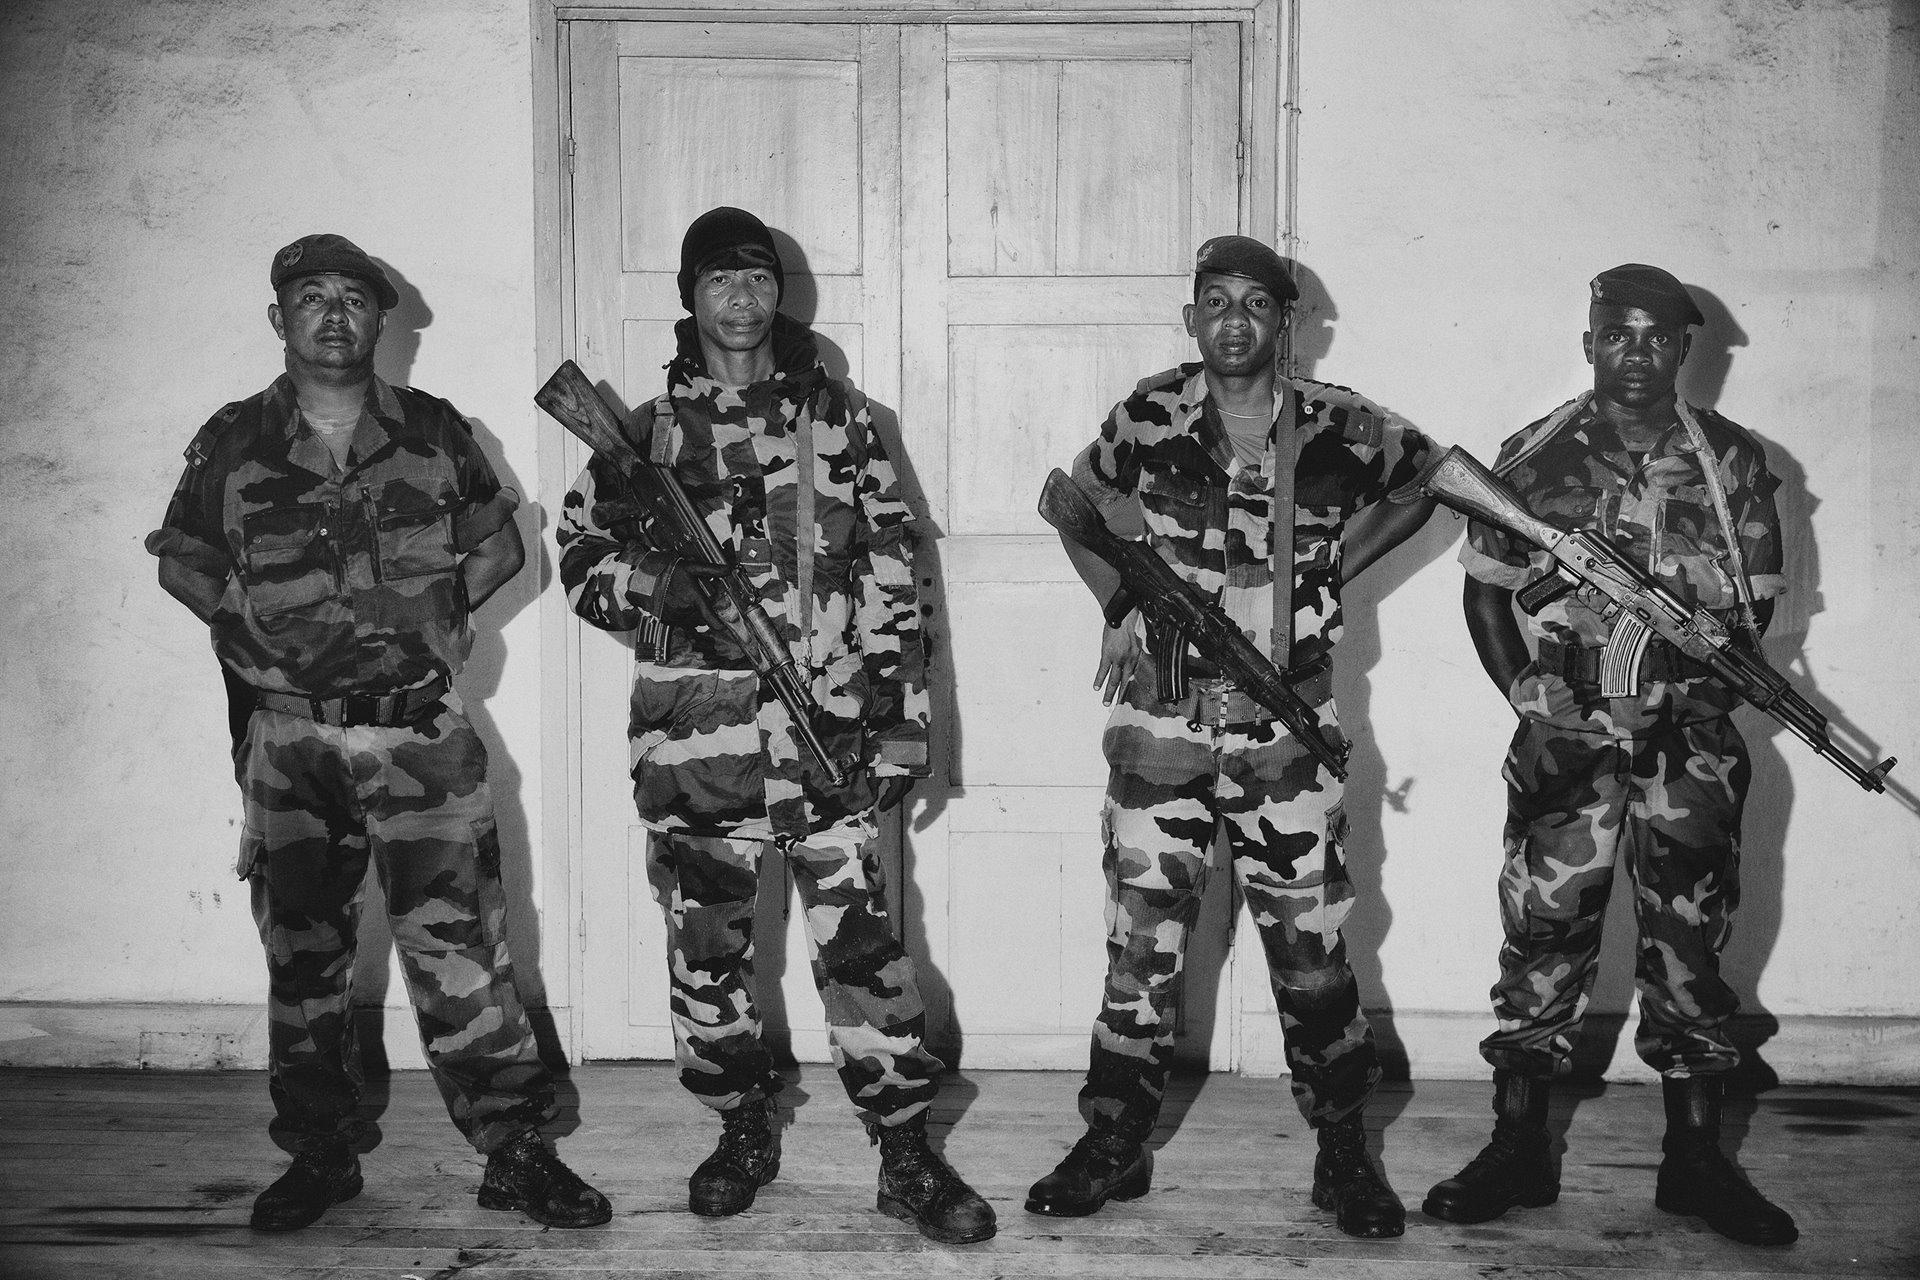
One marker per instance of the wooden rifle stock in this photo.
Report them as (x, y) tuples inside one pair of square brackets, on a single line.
[(1176, 615), (577, 405), (1640, 604)]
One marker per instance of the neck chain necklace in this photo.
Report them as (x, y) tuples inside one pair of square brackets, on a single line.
[(1248, 417)]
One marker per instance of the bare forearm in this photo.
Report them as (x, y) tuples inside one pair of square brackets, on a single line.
[(1496, 636), (492, 564), (1377, 530)]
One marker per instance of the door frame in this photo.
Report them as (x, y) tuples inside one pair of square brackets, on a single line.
[(1272, 35)]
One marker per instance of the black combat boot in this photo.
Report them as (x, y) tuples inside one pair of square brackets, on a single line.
[(1516, 1168), (1108, 1163), (1346, 1184), (917, 1186), (1696, 1178), (320, 1177), (746, 1159), (525, 1175)]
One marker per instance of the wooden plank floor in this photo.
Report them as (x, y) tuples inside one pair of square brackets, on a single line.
[(109, 1174)]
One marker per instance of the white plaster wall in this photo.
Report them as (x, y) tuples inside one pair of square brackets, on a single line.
[(1464, 171), (156, 155)]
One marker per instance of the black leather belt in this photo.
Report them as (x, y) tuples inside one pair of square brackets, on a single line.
[(387, 709), (1579, 662)]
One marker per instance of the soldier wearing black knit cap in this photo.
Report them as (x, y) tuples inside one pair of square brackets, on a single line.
[(781, 459)]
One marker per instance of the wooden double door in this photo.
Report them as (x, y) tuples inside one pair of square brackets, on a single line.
[(991, 226)]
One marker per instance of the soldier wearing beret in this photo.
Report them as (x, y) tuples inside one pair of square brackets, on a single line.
[(1215, 457), (782, 461), (1653, 782), (335, 533)]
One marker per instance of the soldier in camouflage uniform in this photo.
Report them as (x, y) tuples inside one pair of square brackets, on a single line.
[(782, 462), (1654, 782), (1213, 456), (335, 532)]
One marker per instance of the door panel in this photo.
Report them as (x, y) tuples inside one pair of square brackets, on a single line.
[(991, 225)]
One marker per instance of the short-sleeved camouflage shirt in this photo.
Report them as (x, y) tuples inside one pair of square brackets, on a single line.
[(1658, 509), (338, 580), (1211, 516)]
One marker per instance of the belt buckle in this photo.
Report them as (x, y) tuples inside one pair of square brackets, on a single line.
[(359, 709)]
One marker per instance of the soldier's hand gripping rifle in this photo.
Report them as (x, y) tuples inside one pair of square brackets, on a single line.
[(1640, 606), (670, 517), (1177, 616)]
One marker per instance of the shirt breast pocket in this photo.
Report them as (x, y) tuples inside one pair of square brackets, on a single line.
[(1570, 505), (288, 558), (414, 529), (1177, 504)]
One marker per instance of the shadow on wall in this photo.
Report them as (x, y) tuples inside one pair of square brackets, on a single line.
[(478, 681), (1369, 790)]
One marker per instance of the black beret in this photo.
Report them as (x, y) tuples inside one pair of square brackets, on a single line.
[(1245, 256), (1656, 292), (728, 239), (331, 255)]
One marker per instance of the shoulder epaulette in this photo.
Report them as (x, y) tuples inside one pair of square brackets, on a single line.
[(1164, 379), (1713, 419), (1347, 411), (200, 448), (447, 405)]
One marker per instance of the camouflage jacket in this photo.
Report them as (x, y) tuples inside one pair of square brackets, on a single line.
[(1211, 516), (1574, 472), (856, 636), (336, 581)]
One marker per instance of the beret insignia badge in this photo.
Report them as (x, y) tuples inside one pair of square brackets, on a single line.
[(291, 254)]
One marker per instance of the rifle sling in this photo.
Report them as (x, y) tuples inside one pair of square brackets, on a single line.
[(803, 519), (1709, 468), (1286, 456)]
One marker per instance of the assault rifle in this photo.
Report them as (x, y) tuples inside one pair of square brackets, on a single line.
[(670, 517), (1178, 616), (1640, 605)]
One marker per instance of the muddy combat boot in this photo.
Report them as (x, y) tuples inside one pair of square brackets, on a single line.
[(1513, 1170), (1108, 1163), (525, 1175), (1346, 1184), (319, 1178), (746, 1159), (917, 1186), (1697, 1179)]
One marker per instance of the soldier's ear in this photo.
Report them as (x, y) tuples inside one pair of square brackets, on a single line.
[(1186, 314), (273, 318), (1586, 344), (1686, 345)]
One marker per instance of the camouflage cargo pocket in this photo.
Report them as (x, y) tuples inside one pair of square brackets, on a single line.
[(414, 528), (288, 558)]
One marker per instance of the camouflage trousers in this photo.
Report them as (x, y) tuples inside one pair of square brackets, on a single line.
[(708, 887), (1173, 785), (320, 801), (1577, 805)]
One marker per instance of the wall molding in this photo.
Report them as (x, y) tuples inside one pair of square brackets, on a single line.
[(1420, 1045)]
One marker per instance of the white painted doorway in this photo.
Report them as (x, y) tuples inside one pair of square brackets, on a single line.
[(991, 223)]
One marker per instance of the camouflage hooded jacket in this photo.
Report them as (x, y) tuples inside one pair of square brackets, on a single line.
[(855, 635), (1211, 516), (337, 579), (1574, 472)]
